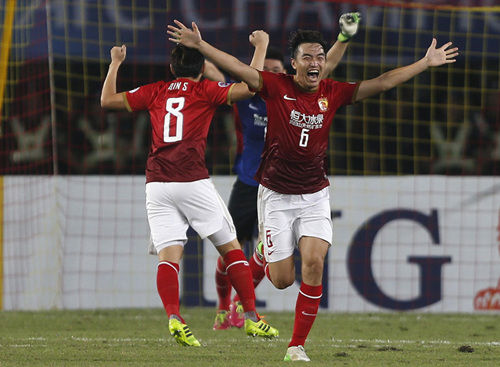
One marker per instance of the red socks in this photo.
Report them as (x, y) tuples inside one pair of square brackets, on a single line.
[(238, 275), (257, 269), (238, 270), (223, 285), (306, 309), (167, 282)]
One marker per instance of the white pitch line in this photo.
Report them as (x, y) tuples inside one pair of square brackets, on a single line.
[(338, 343), (432, 342)]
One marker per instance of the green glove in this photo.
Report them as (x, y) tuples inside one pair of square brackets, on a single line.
[(348, 26)]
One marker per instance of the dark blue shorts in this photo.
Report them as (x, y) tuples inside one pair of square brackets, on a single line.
[(243, 208)]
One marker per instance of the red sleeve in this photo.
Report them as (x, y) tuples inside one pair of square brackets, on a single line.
[(140, 99), (268, 83), (217, 92), (344, 93)]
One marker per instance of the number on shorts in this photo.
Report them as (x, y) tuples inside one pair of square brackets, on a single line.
[(174, 108), (268, 238), (304, 138)]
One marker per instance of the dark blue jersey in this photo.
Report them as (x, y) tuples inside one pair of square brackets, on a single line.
[(251, 122)]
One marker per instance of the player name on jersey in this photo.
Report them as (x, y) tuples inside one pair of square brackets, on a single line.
[(178, 85)]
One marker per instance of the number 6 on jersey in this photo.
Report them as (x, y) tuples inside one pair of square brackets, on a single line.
[(304, 138), (174, 107)]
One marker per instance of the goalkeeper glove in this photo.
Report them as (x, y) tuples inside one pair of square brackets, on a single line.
[(348, 26)]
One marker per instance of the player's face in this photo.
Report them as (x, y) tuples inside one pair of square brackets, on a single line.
[(274, 66), (309, 64)]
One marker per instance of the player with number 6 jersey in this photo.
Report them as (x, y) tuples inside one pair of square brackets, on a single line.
[(294, 155), (293, 197)]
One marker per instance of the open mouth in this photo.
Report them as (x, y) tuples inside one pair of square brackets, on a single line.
[(313, 75)]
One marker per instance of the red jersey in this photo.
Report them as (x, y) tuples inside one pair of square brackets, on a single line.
[(294, 157), (180, 112)]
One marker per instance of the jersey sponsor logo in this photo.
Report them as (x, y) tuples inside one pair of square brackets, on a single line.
[(223, 85), (289, 98), (323, 104), (134, 90), (269, 253), (304, 121), (259, 120)]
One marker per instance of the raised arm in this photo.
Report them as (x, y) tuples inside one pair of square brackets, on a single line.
[(348, 28), (333, 57), (433, 57), (109, 97), (259, 40), (192, 38), (211, 72)]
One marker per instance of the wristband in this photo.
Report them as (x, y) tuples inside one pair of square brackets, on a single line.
[(343, 38)]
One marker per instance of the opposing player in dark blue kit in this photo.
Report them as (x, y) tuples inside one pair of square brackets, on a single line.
[(250, 118), (251, 122)]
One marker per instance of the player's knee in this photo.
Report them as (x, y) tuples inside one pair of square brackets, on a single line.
[(283, 282), (313, 266)]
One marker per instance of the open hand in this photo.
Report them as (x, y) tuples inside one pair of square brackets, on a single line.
[(439, 56), (259, 38), (183, 35)]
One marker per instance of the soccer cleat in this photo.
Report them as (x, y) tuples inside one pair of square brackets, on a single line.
[(222, 320), (296, 354), (260, 328), (181, 333), (236, 314), (259, 250)]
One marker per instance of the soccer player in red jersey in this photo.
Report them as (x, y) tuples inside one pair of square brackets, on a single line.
[(251, 122), (179, 192), (293, 197)]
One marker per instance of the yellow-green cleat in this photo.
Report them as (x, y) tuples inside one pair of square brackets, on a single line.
[(259, 250), (260, 328), (236, 314), (181, 333), (222, 321)]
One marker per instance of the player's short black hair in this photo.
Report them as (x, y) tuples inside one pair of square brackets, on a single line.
[(275, 54), (186, 62), (305, 36)]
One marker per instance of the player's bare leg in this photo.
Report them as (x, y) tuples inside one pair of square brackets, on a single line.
[(282, 273)]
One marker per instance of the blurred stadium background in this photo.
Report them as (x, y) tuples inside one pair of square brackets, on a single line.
[(421, 160)]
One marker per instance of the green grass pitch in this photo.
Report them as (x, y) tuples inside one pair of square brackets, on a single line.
[(139, 337)]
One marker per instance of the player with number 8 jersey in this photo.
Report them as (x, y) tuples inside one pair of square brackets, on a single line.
[(179, 192), (180, 112)]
